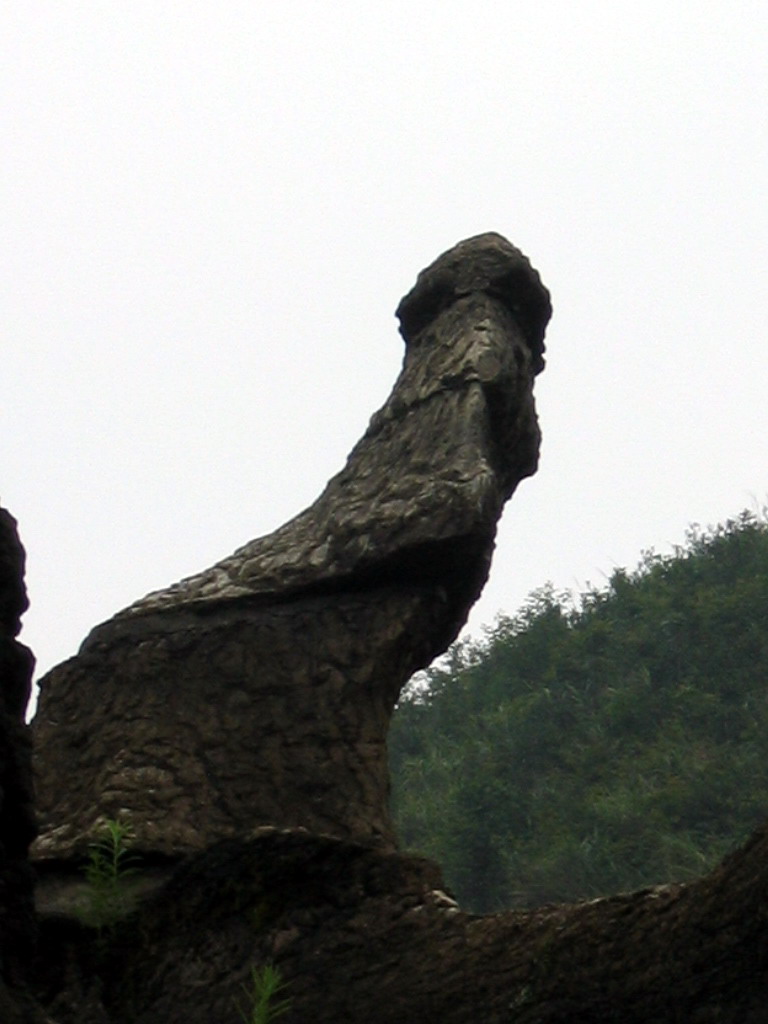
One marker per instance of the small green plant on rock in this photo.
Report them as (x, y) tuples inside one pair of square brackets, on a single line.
[(107, 871), (264, 995)]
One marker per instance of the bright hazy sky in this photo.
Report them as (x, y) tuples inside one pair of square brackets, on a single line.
[(210, 211)]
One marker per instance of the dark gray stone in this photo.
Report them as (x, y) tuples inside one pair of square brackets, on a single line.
[(259, 691)]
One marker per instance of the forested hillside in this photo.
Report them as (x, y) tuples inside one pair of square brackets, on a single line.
[(602, 744)]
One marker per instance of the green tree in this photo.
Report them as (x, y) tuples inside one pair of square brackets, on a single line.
[(599, 744)]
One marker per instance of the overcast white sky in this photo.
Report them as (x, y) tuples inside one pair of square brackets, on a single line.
[(209, 212)]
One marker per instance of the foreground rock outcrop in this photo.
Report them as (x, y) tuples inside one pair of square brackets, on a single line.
[(259, 691), (17, 820), (363, 936)]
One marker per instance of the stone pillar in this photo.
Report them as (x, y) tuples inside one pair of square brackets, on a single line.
[(259, 691)]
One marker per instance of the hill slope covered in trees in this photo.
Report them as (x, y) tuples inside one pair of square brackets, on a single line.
[(595, 746)]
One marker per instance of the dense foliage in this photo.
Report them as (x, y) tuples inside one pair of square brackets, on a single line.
[(598, 745)]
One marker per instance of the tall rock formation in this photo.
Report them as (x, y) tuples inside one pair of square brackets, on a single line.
[(259, 692), (17, 821), (249, 705)]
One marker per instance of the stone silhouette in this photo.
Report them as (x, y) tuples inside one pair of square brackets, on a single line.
[(17, 820), (259, 692)]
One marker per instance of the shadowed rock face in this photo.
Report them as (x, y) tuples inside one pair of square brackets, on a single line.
[(259, 691), (17, 822)]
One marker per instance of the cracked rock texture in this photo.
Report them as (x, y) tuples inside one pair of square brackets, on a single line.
[(259, 691), (249, 705)]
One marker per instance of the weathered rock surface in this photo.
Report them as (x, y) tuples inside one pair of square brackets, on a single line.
[(17, 821), (259, 691), (289, 656), (365, 935)]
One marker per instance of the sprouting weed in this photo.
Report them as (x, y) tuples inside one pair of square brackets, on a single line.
[(108, 868), (265, 1001)]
